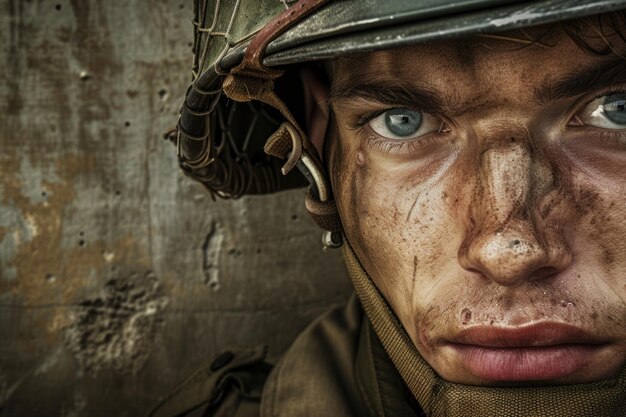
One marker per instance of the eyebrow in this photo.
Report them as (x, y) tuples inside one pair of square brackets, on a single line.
[(390, 93), (588, 79), (394, 93)]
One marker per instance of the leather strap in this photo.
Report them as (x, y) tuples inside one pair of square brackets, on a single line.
[(251, 80)]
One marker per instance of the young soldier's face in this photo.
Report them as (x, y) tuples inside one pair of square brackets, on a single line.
[(483, 187)]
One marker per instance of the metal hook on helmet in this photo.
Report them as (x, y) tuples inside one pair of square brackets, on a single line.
[(287, 143)]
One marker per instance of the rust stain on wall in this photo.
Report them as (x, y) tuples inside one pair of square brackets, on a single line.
[(36, 240), (46, 272)]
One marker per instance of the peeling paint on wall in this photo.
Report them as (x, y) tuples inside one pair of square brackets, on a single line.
[(116, 330)]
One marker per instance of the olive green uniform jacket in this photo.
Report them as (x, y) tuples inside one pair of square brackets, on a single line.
[(336, 367)]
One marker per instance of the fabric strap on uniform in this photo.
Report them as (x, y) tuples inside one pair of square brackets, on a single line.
[(440, 398)]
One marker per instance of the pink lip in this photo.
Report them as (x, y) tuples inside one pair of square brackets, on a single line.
[(541, 351)]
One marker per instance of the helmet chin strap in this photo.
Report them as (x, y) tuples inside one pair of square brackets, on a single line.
[(440, 398), (287, 143), (251, 80)]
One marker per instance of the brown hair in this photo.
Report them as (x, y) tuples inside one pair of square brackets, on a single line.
[(594, 34)]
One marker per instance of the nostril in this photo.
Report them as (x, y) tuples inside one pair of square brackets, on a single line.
[(544, 272), (514, 243), (474, 270)]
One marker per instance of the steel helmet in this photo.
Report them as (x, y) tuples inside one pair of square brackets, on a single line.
[(243, 108)]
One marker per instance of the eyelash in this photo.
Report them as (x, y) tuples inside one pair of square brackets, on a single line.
[(365, 119), (605, 137), (390, 145), (604, 92), (607, 92), (387, 145)]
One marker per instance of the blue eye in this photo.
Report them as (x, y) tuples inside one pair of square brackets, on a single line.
[(607, 112), (402, 123), (614, 107)]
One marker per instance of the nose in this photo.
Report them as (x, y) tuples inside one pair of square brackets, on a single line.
[(507, 240)]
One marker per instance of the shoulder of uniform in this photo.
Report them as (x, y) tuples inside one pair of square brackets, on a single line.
[(230, 385)]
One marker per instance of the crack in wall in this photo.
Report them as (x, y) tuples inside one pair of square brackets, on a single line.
[(211, 250)]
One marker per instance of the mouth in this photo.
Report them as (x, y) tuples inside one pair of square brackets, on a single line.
[(537, 352)]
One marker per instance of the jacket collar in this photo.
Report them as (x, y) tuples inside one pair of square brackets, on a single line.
[(379, 381)]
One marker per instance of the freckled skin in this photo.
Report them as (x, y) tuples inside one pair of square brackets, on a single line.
[(513, 217)]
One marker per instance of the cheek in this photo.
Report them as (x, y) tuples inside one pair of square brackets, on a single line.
[(401, 227), (599, 240), (599, 191)]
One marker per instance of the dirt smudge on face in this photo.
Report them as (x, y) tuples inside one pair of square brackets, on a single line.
[(466, 316)]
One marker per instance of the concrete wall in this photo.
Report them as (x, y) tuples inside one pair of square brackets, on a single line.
[(118, 275)]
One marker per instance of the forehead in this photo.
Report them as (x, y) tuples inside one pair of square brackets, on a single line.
[(494, 64)]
